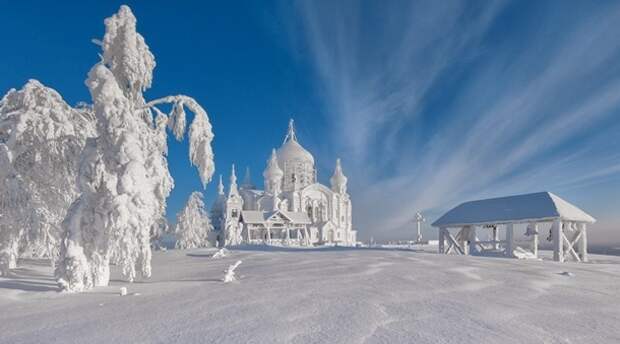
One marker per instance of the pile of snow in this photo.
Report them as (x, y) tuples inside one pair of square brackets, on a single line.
[(521, 253)]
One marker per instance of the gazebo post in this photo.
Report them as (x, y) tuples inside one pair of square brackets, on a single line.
[(495, 233), (510, 240), (583, 242), (462, 237), (472, 239), (558, 245), (442, 239), (534, 227)]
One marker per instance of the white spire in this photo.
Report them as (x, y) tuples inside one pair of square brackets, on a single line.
[(247, 180), (290, 135), (220, 187), (233, 182), (339, 180)]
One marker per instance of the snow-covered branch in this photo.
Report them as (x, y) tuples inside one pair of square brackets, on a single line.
[(200, 132)]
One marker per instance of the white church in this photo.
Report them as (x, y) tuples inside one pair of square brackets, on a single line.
[(293, 209)]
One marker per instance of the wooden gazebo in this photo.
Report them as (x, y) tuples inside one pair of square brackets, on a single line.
[(567, 226)]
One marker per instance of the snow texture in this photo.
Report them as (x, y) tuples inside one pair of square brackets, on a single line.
[(41, 138), (329, 295), (124, 179), (193, 227)]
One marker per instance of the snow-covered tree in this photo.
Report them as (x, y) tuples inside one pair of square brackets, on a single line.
[(193, 226), (41, 138), (124, 178)]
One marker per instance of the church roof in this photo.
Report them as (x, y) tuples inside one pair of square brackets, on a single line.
[(519, 208), (262, 217), (291, 150)]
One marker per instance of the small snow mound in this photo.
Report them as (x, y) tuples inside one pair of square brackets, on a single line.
[(221, 253), (520, 253), (230, 273), (123, 291), (567, 274)]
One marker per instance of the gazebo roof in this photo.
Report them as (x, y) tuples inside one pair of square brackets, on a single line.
[(541, 206)]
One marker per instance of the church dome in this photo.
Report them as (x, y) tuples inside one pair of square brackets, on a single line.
[(291, 150), (273, 171)]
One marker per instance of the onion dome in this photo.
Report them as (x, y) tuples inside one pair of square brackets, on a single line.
[(291, 151), (273, 171)]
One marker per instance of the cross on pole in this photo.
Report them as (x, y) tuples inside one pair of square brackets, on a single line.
[(419, 219)]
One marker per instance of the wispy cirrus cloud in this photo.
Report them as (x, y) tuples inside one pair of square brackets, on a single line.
[(435, 103)]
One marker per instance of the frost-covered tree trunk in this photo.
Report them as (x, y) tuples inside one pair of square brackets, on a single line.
[(41, 138), (193, 226), (124, 177)]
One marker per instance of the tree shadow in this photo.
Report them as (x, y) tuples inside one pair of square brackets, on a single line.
[(28, 285), (28, 280), (270, 248)]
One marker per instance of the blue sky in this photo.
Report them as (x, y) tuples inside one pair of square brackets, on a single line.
[(428, 103)]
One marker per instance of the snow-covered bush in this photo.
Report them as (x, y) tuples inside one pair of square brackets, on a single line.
[(41, 138), (193, 226), (124, 179)]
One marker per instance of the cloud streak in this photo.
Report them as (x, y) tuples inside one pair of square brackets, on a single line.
[(435, 103)]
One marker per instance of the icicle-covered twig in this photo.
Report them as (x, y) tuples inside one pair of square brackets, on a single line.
[(230, 272), (221, 253)]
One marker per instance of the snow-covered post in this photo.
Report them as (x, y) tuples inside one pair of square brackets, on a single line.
[(268, 234), (463, 237), (534, 232), (558, 245), (442, 239), (472, 240), (306, 236), (495, 235), (583, 243), (510, 240)]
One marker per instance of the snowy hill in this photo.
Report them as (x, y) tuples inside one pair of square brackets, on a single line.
[(323, 296)]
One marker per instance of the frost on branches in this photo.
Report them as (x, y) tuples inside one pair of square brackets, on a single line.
[(41, 138), (193, 226), (123, 177)]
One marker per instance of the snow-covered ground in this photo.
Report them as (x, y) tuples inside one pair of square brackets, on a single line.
[(332, 295)]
